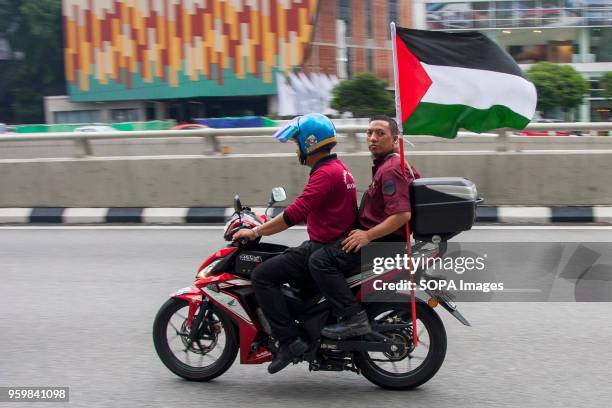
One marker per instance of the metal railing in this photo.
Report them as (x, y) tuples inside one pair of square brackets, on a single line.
[(210, 136)]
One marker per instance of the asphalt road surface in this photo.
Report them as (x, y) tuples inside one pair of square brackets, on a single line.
[(77, 306)]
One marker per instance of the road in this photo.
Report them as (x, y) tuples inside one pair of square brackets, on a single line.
[(78, 304)]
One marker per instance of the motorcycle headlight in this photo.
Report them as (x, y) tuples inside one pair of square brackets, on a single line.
[(206, 270)]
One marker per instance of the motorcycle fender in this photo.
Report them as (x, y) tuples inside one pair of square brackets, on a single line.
[(456, 314), (450, 306)]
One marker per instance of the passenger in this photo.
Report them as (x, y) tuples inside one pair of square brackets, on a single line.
[(383, 214)]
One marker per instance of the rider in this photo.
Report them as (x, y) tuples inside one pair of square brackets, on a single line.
[(383, 213), (328, 204)]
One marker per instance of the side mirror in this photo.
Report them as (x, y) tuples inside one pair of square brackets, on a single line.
[(237, 203), (278, 195)]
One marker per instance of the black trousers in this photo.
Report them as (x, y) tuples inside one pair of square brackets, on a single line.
[(289, 267), (329, 267)]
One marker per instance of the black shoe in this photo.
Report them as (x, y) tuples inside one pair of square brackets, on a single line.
[(356, 325), (286, 354)]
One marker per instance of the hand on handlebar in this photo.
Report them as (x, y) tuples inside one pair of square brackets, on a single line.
[(244, 235)]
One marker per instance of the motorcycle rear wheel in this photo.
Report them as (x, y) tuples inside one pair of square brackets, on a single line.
[(163, 328), (430, 330)]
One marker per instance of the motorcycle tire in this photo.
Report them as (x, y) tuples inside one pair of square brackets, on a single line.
[(160, 340), (432, 363)]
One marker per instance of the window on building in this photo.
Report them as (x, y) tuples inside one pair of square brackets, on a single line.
[(369, 17), (393, 11), (80, 116), (124, 115), (504, 14), (601, 44), (344, 13), (370, 59), (481, 14), (529, 13), (596, 89), (459, 15), (349, 62), (553, 51), (560, 51), (601, 111), (150, 111)]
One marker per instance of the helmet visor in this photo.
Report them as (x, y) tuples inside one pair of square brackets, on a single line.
[(290, 130)]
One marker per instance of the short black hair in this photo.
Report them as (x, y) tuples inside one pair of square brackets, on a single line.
[(392, 123)]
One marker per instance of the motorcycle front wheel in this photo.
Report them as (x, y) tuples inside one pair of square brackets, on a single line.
[(410, 366), (212, 354)]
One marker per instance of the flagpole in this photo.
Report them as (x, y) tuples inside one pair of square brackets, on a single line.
[(398, 119), (398, 103)]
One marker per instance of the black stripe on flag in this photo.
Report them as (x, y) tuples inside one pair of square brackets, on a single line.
[(469, 49)]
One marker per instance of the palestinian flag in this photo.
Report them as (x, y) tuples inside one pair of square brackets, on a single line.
[(462, 80)]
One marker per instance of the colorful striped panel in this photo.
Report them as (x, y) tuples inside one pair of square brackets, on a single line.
[(134, 49)]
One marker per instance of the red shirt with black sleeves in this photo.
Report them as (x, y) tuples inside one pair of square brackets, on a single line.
[(328, 203), (388, 194)]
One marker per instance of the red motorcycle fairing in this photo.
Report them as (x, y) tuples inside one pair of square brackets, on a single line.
[(231, 305), (222, 253), (223, 277), (193, 294), (188, 293)]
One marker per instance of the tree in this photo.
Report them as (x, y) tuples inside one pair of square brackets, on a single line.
[(558, 86), (606, 84), (364, 96), (33, 31)]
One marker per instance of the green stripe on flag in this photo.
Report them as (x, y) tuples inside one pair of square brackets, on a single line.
[(446, 120)]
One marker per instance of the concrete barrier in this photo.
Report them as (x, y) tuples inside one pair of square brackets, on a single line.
[(545, 178)]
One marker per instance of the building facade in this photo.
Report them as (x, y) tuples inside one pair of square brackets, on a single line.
[(352, 36), (194, 58), (182, 59)]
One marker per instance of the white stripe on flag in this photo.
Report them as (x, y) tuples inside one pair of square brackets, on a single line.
[(480, 89)]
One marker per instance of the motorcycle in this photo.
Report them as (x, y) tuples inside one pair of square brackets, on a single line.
[(200, 329)]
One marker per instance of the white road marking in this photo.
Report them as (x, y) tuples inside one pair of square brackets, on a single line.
[(84, 215), (518, 214), (16, 215), (602, 214), (164, 215)]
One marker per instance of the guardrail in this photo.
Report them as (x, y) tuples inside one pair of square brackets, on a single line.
[(210, 135)]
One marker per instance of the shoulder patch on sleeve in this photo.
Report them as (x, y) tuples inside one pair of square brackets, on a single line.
[(388, 187)]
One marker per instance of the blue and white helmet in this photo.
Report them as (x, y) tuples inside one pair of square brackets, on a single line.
[(313, 133)]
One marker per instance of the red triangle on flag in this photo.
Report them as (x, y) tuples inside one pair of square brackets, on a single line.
[(412, 77)]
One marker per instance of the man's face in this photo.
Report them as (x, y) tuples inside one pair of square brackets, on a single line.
[(298, 152), (379, 138)]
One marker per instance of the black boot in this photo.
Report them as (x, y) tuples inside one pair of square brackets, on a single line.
[(355, 325), (286, 354)]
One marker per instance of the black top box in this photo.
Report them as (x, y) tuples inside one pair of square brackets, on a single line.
[(442, 207)]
